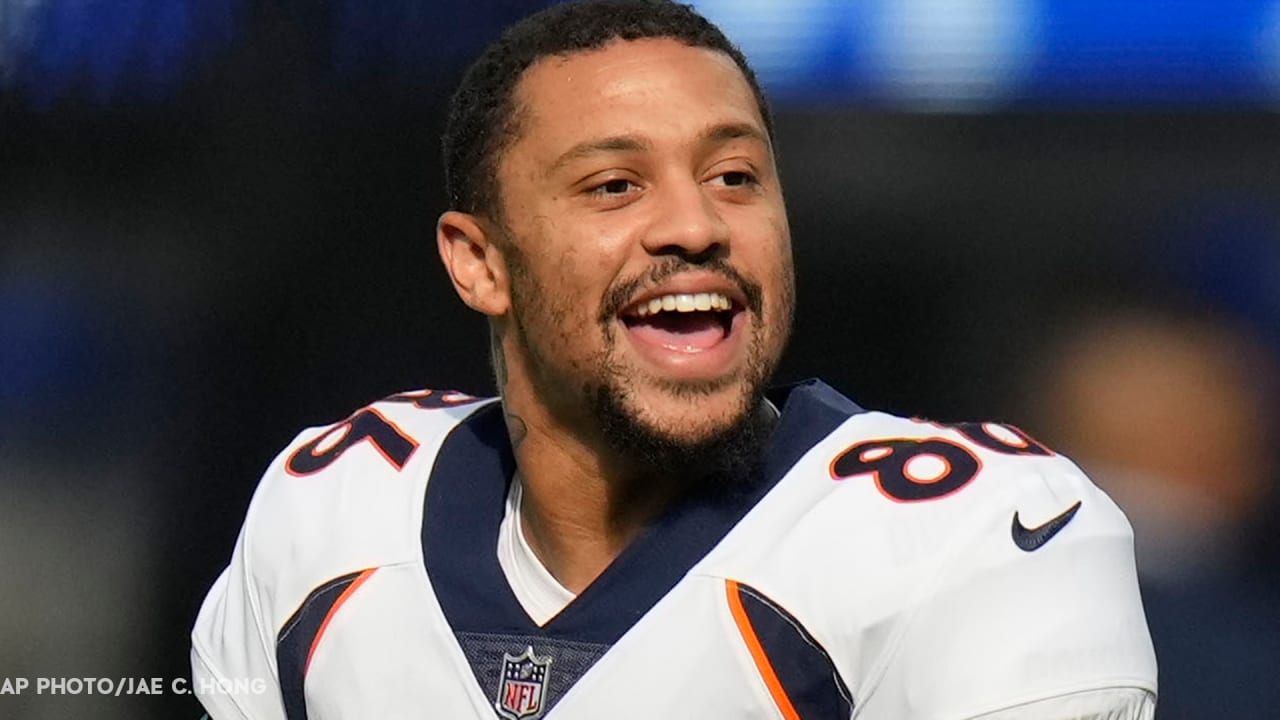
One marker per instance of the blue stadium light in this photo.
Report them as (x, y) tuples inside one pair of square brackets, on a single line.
[(1188, 51), (784, 41), (950, 54), (989, 54)]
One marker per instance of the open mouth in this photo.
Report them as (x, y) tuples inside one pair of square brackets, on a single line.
[(682, 322)]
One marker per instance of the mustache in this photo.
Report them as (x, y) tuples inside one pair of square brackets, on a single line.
[(621, 294)]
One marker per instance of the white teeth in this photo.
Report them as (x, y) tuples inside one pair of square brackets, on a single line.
[(684, 302)]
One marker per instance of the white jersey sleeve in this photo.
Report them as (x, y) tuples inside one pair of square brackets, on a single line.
[(232, 666), (233, 660), (1035, 602)]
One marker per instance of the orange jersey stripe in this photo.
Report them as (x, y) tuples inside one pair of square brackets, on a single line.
[(757, 653), (355, 584)]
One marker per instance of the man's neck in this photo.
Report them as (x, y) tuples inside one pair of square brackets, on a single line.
[(582, 504)]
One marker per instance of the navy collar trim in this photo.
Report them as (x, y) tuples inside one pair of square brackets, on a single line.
[(465, 502)]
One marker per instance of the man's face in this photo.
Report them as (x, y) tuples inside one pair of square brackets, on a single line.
[(649, 252)]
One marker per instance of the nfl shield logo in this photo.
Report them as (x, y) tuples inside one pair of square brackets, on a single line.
[(522, 692)]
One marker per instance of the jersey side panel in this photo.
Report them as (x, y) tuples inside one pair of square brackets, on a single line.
[(389, 654)]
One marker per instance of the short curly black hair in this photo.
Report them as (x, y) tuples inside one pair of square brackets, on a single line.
[(483, 118)]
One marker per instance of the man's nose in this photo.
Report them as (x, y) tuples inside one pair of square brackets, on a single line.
[(689, 224)]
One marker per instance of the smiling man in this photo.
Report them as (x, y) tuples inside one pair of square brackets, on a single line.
[(636, 528)]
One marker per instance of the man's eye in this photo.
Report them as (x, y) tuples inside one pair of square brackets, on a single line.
[(735, 178), (614, 187)]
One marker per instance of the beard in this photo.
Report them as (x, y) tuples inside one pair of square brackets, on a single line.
[(724, 461), (605, 395)]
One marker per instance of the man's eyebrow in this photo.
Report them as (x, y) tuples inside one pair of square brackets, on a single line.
[(716, 134), (616, 143), (736, 131)]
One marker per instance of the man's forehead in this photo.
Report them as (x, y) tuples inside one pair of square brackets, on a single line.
[(620, 46), (569, 91)]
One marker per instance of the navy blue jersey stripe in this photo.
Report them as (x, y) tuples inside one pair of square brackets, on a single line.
[(465, 501), (801, 664), (293, 644)]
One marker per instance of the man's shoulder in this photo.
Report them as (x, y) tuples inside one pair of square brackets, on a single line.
[(897, 465), (888, 471), (897, 503), (888, 524), (387, 435), (917, 463), (348, 496)]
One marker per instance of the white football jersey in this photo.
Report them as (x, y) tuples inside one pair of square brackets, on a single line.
[(876, 567)]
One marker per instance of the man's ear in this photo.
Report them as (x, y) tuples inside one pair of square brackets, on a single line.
[(474, 262)]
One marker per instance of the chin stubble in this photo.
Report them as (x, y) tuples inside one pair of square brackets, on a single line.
[(725, 459)]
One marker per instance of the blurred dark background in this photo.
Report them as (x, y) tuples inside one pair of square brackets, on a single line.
[(216, 228)]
